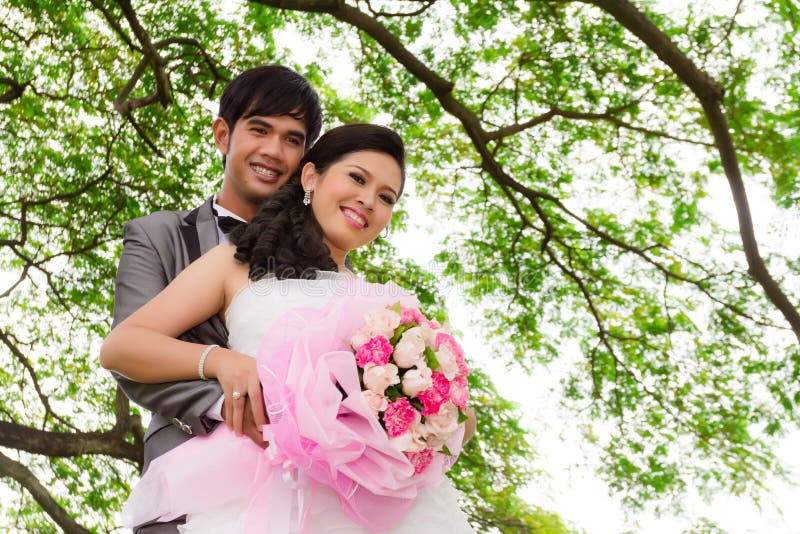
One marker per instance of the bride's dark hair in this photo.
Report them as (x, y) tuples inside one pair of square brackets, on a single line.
[(284, 238)]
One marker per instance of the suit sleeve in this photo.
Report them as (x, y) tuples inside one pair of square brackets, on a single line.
[(141, 276)]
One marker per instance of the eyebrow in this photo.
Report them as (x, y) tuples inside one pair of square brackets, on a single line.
[(261, 122), (365, 171)]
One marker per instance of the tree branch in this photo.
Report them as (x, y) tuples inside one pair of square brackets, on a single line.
[(711, 95), (24, 476), (70, 444)]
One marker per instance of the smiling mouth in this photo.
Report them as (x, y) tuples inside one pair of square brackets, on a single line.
[(265, 172), (355, 218)]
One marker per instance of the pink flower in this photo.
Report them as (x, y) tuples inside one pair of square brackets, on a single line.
[(446, 340), (433, 323), (416, 380), (382, 322), (448, 363), (398, 417), (433, 397), (377, 350), (410, 348), (359, 338), (379, 377), (413, 439), (412, 315), (443, 423), (459, 391), (420, 460), (376, 402)]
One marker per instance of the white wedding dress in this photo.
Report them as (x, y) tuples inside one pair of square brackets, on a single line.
[(166, 492)]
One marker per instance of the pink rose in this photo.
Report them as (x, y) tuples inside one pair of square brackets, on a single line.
[(382, 322), (416, 380), (410, 348), (433, 323), (459, 391), (398, 417), (379, 377), (436, 395), (446, 340), (443, 423), (420, 460), (377, 350), (377, 403)]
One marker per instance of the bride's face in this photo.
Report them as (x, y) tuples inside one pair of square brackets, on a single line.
[(353, 199)]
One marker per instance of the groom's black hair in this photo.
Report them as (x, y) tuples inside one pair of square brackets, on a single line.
[(272, 90), (284, 238)]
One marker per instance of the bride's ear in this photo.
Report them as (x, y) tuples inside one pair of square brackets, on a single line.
[(308, 176)]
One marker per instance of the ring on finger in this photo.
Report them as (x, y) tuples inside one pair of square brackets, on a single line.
[(236, 395)]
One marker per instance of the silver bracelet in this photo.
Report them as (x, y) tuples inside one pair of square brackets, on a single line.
[(202, 361)]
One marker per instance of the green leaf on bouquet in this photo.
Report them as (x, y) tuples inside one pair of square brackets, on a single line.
[(446, 451), (430, 359), (393, 393), (396, 308), (399, 331), (461, 416)]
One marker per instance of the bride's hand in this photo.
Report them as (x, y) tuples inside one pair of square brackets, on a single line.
[(236, 373)]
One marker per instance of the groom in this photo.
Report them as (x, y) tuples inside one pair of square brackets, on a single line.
[(268, 117)]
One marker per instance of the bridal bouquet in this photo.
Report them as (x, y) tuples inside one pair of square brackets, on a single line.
[(365, 395), (414, 378)]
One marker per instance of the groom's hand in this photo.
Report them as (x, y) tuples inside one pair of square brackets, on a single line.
[(249, 426)]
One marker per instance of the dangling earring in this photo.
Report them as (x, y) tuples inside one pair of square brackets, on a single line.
[(307, 197), (385, 233)]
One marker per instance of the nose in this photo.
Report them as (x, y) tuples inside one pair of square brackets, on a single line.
[(271, 147), (367, 199)]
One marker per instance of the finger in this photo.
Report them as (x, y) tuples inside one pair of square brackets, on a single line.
[(227, 412), (238, 414), (257, 404), (252, 431)]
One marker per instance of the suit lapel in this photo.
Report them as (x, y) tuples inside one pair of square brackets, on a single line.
[(199, 231)]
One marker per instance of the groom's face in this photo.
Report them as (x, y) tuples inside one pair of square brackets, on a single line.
[(261, 153)]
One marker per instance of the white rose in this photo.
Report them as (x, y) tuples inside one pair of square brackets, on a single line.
[(429, 335), (359, 338), (448, 361), (443, 424), (433, 440), (382, 323), (416, 380), (412, 440), (379, 377), (377, 403), (410, 348)]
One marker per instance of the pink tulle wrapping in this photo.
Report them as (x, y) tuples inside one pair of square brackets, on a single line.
[(332, 441), (338, 442)]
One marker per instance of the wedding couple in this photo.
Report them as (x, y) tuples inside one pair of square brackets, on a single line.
[(194, 299)]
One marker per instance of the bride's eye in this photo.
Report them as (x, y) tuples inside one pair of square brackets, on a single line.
[(357, 178)]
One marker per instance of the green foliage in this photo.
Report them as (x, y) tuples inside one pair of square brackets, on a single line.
[(596, 231)]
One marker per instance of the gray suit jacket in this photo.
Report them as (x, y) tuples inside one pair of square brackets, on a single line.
[(155, 249)]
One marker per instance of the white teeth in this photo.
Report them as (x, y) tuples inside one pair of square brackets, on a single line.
[(263, 171), (351, 215)]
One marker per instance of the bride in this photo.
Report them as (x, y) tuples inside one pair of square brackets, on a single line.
[(290, 257)]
